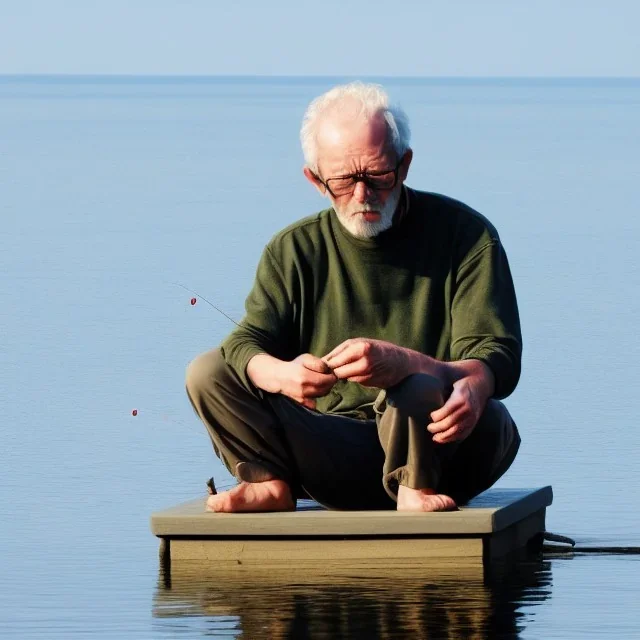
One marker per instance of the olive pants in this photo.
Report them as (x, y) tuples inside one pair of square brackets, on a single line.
[(345, 463)]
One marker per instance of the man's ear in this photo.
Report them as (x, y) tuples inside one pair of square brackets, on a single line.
[(404, 167), (313, 179)]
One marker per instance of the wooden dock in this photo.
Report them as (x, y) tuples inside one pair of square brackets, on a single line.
[(493, 524)]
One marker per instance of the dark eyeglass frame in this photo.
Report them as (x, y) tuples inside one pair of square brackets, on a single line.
[(362, 177)]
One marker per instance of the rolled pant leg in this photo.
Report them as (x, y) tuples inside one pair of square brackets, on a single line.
[(334, 459), (241, 426), (461, 470), (412, 458)]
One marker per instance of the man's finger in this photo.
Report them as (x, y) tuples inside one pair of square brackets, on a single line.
[(315, 364), (450, 435), (447, 422), (363, 380), (320, 386), (351, 353), (454, 402), (350, 370), (446, 437), (310, 403), (456, 433), (341, 347)]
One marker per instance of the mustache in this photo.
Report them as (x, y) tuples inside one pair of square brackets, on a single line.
[(367, 206)]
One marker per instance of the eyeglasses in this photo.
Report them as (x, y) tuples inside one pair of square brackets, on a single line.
[(376, 180)]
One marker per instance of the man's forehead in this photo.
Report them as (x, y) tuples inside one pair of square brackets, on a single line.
[(346, 134)]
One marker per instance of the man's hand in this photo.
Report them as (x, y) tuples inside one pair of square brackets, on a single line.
[(372, 363), (457, 418), (304, 379)]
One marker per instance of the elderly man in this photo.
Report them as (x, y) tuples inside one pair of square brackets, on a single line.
[(378, 337)]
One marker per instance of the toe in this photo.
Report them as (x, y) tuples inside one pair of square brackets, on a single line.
[(214, 503)]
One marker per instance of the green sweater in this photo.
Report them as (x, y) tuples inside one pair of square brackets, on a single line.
[(437, 282)]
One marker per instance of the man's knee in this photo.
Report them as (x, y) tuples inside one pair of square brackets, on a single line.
[(495, 419), (416, 393), (205, 371), (496, 436)]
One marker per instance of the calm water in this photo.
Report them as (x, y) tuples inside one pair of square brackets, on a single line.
[(111, 191)]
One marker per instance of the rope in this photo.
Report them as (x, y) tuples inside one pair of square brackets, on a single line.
[(573, 549)]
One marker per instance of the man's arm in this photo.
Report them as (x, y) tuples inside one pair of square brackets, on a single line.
[(267, 325), (302, 379), (486, 342), (376, 363), (451, 372), (263, 350), (468, 384), (485, 323)]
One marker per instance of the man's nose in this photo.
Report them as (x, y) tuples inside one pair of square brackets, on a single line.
[(362, 193)]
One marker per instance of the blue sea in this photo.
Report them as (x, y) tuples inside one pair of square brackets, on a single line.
[(114, 191)]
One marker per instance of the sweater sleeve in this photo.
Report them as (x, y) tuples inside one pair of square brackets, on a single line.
[(266, 326), (485, 319)]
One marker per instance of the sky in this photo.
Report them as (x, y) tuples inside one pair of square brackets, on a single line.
[(462, 38)]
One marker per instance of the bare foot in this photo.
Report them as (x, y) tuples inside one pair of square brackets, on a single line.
[(424, 500), (272, 495)]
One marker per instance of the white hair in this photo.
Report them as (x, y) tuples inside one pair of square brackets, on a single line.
[(373, 101)]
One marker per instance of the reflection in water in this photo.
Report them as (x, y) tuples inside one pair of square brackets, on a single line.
[(330, 601)]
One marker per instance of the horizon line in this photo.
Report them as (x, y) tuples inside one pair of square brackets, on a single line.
[(309, 76)]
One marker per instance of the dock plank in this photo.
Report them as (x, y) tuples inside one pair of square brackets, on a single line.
[(492, 511)]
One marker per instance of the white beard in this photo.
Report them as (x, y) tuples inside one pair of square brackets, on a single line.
[(357, 226)]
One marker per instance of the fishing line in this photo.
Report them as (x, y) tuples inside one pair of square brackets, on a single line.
[(207, 301), (210, 483)]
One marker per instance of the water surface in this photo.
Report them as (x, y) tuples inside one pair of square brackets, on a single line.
[(113, 190)]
